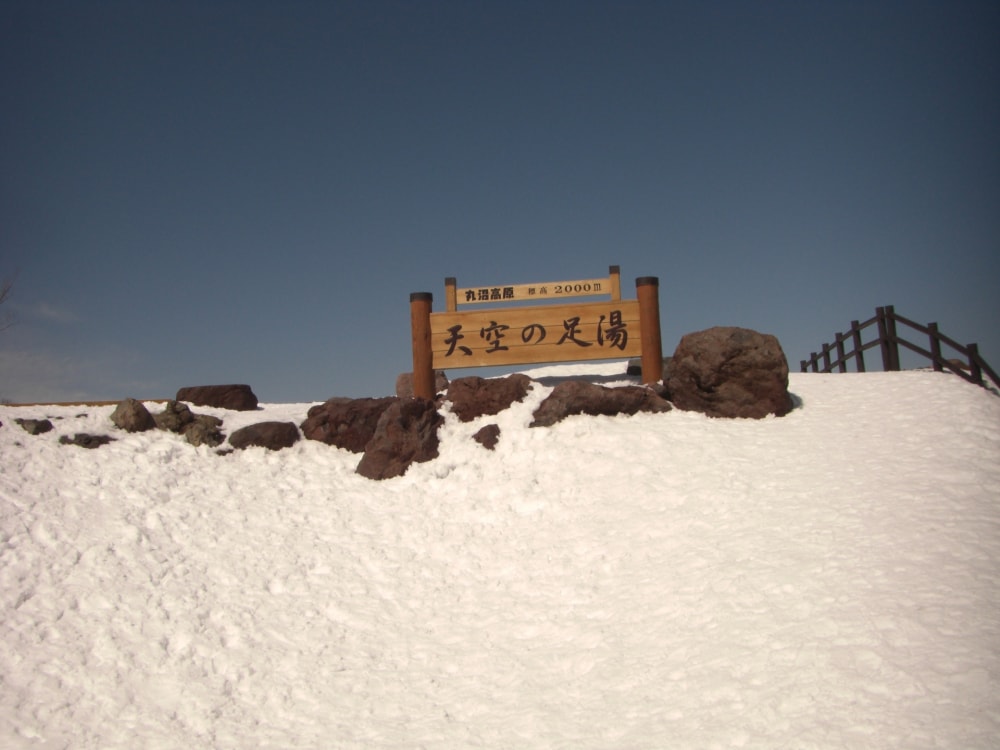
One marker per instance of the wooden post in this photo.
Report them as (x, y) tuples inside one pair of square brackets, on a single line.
[(974, 369), (647, 292), (890, 327), (614, 276), (935, 347), (841, 355), (423, 355), (826, 358), (883, 339), (450, 300), (859, 355)]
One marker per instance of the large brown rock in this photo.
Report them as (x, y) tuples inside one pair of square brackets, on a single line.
[(234, 397), (406, 433), (347, 423), (473, 396), (729, 372), (271, 435), (580, 397)]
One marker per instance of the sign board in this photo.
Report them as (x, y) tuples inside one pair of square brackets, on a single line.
[(517, 334), (479, 295), (550, 333)]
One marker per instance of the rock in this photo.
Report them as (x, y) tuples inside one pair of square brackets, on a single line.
[(347, 423), (580, 397), (234, 397), (729, 372), (204, 430), (198, 429), (406, 433), (132, 416), (34, 426), (176, 415), (84, 440), (271, 435), (473, 396), (488, 436), (404, 383)]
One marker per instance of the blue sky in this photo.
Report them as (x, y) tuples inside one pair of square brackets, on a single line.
[(219, 192)]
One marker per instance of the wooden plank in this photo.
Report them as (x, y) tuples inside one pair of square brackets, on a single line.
[(544, 333), (482, 295)]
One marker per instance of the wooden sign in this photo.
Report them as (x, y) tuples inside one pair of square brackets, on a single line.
[(551, 333), (518, 334)]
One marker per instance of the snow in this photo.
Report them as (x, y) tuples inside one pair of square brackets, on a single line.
[(828, 579)]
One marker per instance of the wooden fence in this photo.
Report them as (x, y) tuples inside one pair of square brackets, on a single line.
[(886, 325)]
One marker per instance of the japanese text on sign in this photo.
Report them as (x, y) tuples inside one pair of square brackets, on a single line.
[(594, 330)]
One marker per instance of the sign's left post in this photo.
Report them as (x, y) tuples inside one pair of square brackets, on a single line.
[(423, 355)]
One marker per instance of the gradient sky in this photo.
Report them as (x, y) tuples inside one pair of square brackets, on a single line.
[(216, 192)]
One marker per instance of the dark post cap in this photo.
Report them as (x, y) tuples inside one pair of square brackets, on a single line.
[(421, 297), (647, 281)]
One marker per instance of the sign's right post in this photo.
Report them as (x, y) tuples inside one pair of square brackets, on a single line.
[(647, 292)]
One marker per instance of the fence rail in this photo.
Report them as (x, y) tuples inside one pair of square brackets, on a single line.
[(852, 346)]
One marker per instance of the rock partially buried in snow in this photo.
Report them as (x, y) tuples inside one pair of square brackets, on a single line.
[(235, 397), (198, 429), (131, 415), (347, 423), (580, 397), (406, 433), (34, 426), (271, 435), (488, 436), (473, 397), (404, 383), (729, 372), (86, 440)]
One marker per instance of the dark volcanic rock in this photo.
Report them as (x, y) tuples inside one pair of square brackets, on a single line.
[(580, 397), (347, 423), (85, 440), (271, 435), (131, 415), (176, 415), (235, 397), (488, 436), (406, 433), (473, 396), (198, 429), (204, 430), (404, 383), (729, 372), (34, 426)]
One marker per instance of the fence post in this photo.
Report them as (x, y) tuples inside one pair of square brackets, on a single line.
[(974, 369), (826, 358), (890, 326), (859, 355), (423, 354), (647, 292), (935, 347), (841, 363), (883, 339)]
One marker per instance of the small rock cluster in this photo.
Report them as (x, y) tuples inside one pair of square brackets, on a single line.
[(199, 429), (720, 372)]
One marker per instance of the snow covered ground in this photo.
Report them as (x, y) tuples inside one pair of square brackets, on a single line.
[(830, 579)]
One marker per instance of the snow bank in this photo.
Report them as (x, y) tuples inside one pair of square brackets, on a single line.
[(828, 579)]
